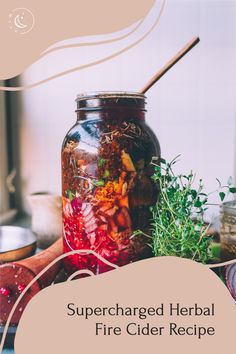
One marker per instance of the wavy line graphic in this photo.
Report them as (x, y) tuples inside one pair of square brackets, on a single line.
[(82, 271), (221, 264), (81, 67), (88, 44)]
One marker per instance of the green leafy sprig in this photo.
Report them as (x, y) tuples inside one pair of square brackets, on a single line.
[(178, 227)]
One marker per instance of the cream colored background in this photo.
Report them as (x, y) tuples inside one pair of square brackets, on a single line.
[(45, 327)]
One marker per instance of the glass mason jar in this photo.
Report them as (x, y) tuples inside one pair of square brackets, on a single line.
[(107, 188), (228, 230)]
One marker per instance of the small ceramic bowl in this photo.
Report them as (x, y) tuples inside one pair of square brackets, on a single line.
[(16, 243)]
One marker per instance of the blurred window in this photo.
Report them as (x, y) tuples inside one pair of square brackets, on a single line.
[(5, 211)]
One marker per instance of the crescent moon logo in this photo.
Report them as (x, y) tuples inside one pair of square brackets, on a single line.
[(17, 22), (21, 20)]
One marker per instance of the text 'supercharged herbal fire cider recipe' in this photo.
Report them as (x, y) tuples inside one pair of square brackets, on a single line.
[(140, 324), (107, 188)]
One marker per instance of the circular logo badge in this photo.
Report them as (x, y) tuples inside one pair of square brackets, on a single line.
[(21, 20)]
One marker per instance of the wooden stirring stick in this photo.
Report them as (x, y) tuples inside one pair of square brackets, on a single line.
[(170, 63)]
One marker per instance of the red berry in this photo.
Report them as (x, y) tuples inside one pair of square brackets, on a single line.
[(4, 291), (21, 288)]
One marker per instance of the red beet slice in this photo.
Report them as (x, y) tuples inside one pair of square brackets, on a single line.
[(76, 204)]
